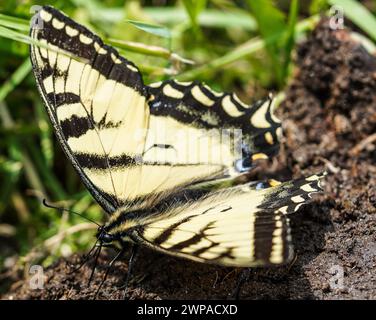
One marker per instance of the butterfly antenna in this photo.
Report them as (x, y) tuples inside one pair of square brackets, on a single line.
[(70, 211)]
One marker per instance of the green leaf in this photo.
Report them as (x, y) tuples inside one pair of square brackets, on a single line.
[(270, 20), (210, 18), (271, 23), (290, 37), (194, 8), (160, 31)]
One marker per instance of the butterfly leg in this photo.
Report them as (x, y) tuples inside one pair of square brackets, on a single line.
[(130, 265), (86, 258), (243, 277), (117, 257), (96, 254)]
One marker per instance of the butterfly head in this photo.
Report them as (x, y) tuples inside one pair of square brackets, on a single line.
[(104, 237)]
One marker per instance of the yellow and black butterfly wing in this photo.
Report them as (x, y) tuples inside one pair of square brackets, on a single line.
[(253, 128), (122, 136), (210, 131), (95, 100), (239, 226)]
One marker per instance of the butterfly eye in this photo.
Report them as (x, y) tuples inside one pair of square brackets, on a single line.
[(106, 237)]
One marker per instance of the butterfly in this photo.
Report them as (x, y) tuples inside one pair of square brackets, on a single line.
[(141, 149)]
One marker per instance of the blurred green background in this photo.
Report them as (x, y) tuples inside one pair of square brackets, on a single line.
[(242, 46)]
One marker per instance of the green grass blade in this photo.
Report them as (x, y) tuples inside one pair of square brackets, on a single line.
[(16, 149), (209, 18), (17, 36), (142, 48), (156, 30), (51, 182), (246, 49), (20, 74), (45, 133), (13, 35), (18, 153), (290, 37), (194, 8), (9, 174), (14, 23), (271, 22)]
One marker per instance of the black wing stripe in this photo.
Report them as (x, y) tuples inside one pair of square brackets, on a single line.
[(75, 127), (193, 240), (95, 161), (86, 45), (59, 99), (166, 234), (264, 236)]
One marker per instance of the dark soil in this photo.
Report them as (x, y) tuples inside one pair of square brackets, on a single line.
[(328, 114)]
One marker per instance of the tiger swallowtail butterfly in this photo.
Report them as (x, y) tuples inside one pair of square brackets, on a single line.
[(137, 147)]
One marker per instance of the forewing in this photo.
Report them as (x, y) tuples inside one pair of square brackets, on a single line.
[(219, 125), (95, 100), (128, 141)]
